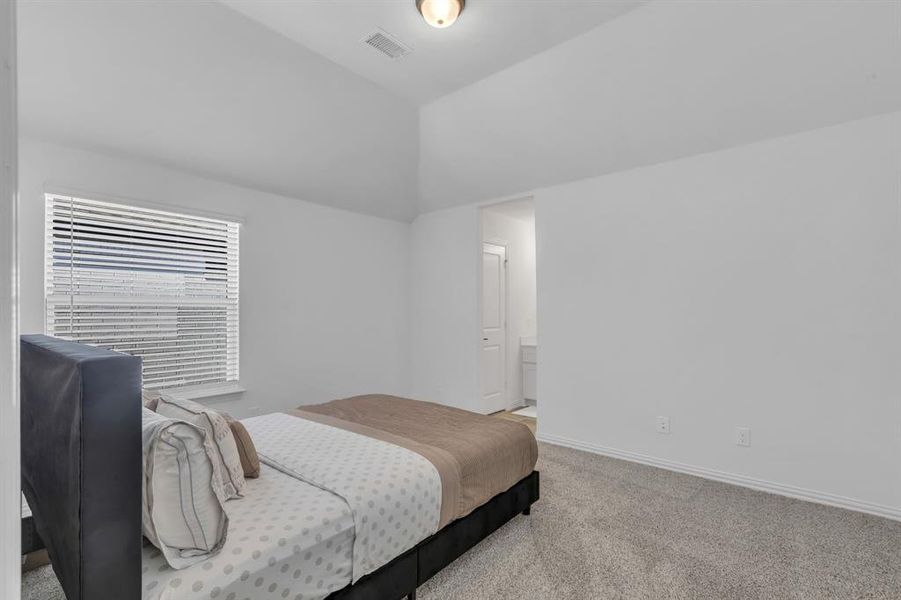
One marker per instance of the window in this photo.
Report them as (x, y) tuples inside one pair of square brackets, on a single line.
[(159, 285)]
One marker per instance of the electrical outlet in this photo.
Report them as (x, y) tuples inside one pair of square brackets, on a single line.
[(663, 425), (742, 436)]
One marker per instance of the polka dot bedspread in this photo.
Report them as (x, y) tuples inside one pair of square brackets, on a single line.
[(329, 506), (394, 493), (286, 540)]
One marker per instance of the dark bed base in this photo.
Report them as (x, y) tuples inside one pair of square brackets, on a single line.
[(31, 541), (401, 577), (404, 574)]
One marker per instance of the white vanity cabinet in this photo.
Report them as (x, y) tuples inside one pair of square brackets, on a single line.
[(529, 368)]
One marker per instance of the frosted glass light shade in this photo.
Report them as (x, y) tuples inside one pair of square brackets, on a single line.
[(440, 13)]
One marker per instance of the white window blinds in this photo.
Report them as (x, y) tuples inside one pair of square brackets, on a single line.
[(159, 285)]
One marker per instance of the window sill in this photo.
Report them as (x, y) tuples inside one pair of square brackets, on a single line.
[(208, 391)]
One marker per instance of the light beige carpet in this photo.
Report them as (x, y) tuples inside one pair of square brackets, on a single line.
[(608, 529)]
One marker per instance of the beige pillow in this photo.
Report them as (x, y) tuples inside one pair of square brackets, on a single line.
[(218, 432), (151, 398), (250, 461)]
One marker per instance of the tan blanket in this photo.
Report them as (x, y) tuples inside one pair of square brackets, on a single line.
[(477, 457)]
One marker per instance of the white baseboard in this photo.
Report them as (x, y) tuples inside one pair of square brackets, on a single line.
[(724, 477)]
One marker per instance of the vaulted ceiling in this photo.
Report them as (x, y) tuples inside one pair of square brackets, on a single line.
[(284, 97), (200, 87), (666, 81), (490, 35)]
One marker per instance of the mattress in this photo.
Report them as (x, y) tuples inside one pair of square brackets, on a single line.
[(286, 539)]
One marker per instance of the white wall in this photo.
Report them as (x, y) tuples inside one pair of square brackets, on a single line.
[(755, 287), (444, 307), (10, 479), (518, 236), (445, 257), (323, 291), (664, 81)]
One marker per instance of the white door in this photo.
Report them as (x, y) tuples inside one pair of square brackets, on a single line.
[(494, 328)]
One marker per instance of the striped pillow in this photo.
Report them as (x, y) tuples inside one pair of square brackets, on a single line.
[(182, 514), (218, 433)]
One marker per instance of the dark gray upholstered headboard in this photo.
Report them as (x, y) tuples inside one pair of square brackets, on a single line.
[(82, 465)]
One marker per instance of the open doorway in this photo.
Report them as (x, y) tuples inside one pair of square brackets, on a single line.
[(508, 351)]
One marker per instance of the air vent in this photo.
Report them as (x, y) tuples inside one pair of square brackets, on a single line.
[(386, 44)]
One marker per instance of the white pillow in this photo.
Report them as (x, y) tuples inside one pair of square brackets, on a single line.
[(218, 433), (183, 515)]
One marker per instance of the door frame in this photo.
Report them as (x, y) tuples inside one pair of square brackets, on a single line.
[(477, 256), (505, 244), (10, 478)]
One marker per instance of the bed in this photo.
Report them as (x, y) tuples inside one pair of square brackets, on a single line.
[(359, 498)]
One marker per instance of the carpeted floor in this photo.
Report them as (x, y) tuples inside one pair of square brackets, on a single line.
[(608, 529)]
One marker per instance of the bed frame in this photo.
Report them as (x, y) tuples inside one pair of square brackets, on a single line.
[(82, 469)]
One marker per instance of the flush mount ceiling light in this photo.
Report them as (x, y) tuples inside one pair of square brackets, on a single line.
[(440, 13)]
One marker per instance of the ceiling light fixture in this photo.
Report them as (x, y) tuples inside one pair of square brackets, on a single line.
[(440, 13)]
